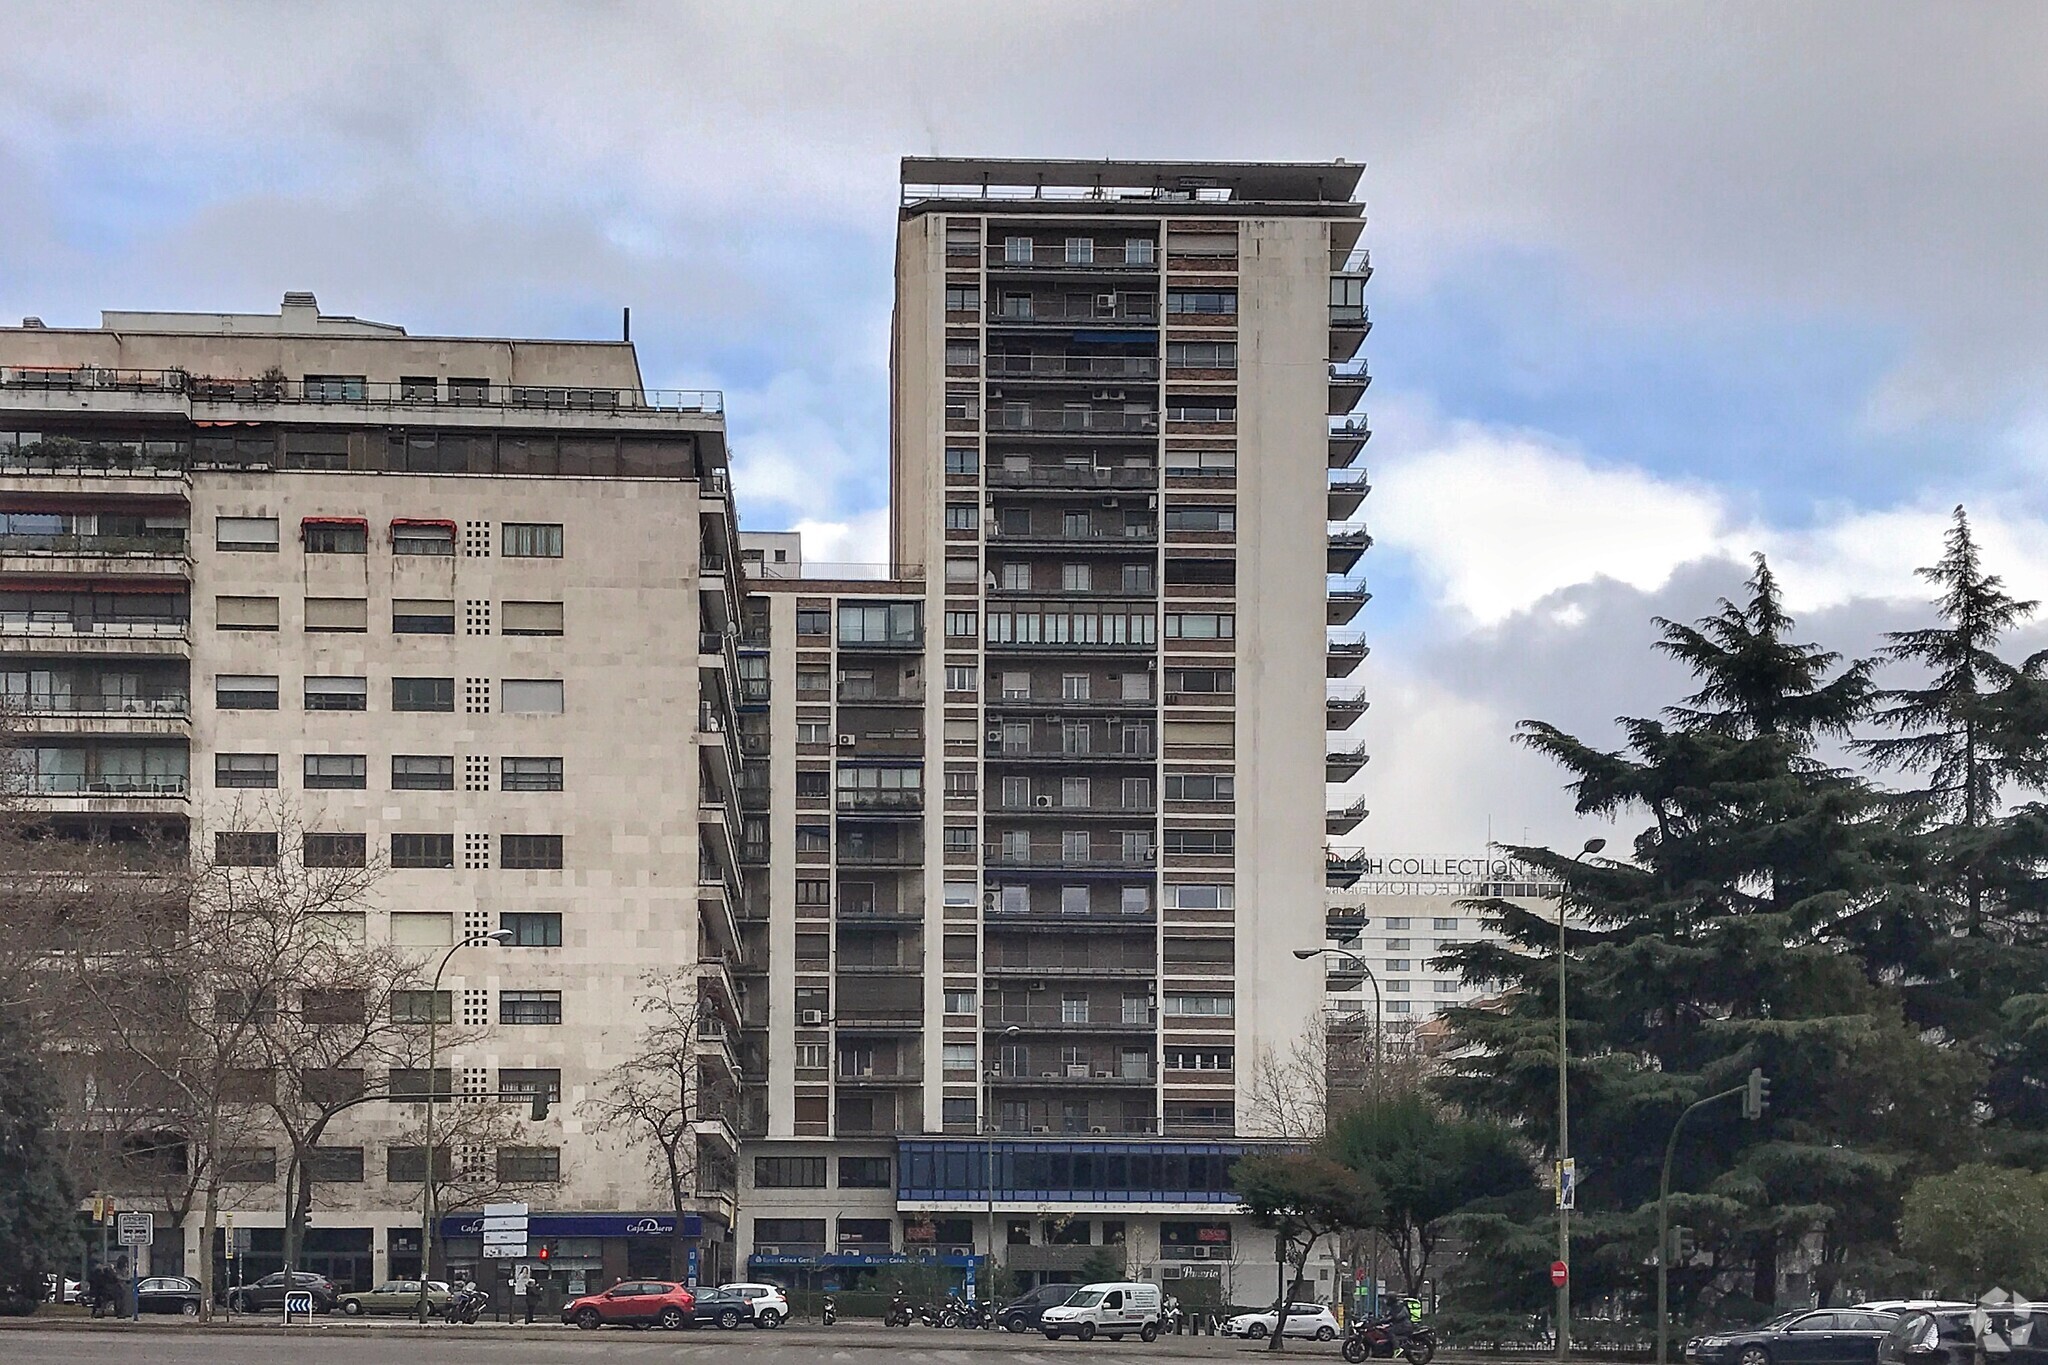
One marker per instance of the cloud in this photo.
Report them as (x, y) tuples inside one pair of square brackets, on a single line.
[(857, 547)]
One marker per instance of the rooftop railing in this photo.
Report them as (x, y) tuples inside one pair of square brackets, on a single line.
[(361, 392)]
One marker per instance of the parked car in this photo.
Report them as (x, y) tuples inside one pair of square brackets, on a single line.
[(396, 1296), (723, 1308), (1911, 1305), (634, 1303), (1820, 1336), (1956, 1336), (1022, 1315), (1303, 1320), (1114, 1308), (269, 1292), (771, 1305), (178, 1294), (62, 1291)]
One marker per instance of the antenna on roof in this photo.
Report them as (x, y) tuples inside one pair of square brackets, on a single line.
[(626, 324)]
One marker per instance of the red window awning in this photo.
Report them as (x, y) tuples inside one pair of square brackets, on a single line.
[(447, 526), (362, 523)]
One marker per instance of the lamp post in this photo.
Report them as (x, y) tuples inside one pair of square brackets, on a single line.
[(988, 1148), (427, 1187), (1564, 1139), (1353, 962)]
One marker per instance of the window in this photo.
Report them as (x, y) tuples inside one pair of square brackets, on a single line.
[(813, 621), (1138, 251), (962, 516), (961, 625), (1137, 578), (1399, 1007), (1199, 896), (1201, 1006), (1013, 900), (1200, 1058), (1219, 681), (529, 1007), (814, 838), (1201, 408), (408, 1165), (422, 928), (530, 540), (813, 1056), (423, 850), (412, 616), (813, 679), (334, 537), (422, 1007), (1201, 519), (960, 782), (248, 535), (245, 770), (813, 732), (1073, 900), (1397, 922), (1443, 924), (881, 623), (960, 678), (1201, 355), (1200, 787), (337, 614), (525, 1084), (959, 1057), (531, 775), (249, 1165), (962, 353), (959, 1002), (809, 892), (422, 773), (525, 1165), (245, 848), (1209, 301), (245, 613), (959, 838), (1200, 625), (530, 618), (423, 694), (1201, 463), (1073, 1009), (336, 772), (531, 696), (813, 782), (962, 299), (338, 694), (1397, 964), (533, 929), (244, 692), (336, 1165), (866, 1173), (1080, 250), (1444, 987), (1201, 841), (423, 538), (789, 1173), (334, 850), (1397, 945), (962, 460), (530, 851)]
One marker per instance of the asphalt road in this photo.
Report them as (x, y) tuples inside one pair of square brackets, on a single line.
[(554, 1345)]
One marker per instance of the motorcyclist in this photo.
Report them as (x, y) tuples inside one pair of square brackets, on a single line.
[(1402, 1315)]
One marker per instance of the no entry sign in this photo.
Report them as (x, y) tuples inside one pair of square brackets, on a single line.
[(1559, 1273)]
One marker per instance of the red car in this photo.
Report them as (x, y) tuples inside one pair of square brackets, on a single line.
[(634, 1303)]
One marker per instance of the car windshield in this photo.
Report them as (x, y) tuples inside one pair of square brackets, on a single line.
[(1087, 1298)]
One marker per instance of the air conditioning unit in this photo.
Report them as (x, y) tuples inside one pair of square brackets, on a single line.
[(995, 736), (1043, 802), (1105, 301), (766, 1249), (811, 1018), (1109, 395), (1103, 1075), (1077, 1071), (846, 741), (1109, 502), (1036, 986), (1098, 1130), (1041, 1128)]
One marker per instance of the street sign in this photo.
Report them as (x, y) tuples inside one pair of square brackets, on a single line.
[(504, 1237), (298, 1301), (505, 1232), (1559, 1273), (135, 1229), (519, 1211)]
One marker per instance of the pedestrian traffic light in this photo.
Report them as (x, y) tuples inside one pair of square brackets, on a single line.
[(1756, 1097), (544, 1251)]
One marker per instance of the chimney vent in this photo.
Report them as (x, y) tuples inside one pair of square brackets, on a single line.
[(300, 298), (33, 324)]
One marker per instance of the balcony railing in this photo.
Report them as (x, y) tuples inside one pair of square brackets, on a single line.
[(175, 704), (162, 546), (1125, 753), (404, 393), (1072, 367), (61, 623), (1144, 256), (1047, 420), (1056, 311), (1052, 856), (864, 692), (138, 784), (906, 802), (1074, 476)]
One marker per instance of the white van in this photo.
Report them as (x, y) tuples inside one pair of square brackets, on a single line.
[(1113, 1309)]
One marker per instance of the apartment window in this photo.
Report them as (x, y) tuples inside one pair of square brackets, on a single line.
[(1134, 900), (529, 1007), (414, 616), (1442, 924), (525, 1084), (408, 1165), (813, 732), (349, 615), (245, 848), (959, 838), (336, 1165), (244, 692), (245, 613), (1080, 250), (1136, 846), (344, 537), (245, 770), (1074, 845), (1201, 355), (1199, 896), (1201, 1006), (960, 678), (962, 516), (813, 1056), (422, 928), (533, 928), (1347, 291), (1217, 681), (789, 1173), (866, 1172), (531, 540), (529, 1165), (530, 618), (1200, 625), (1201, 463), (810, 892), (249, 1165), (435, 538), (1397, 945), (961, 625), (1136, 793), (962, 353), (1209, 301), (423, 694), (247, 535), (422, 850), (1073, 1009), (881, 623), (1398, 922), (1201, 841), (1399, 1007), (337, 694), (1073, 900), (960, 782), (1200, 787), (422, 772), (813, 679), (813, 839), (531, 696), (531, 775), (1397, 964), (336, 772), (530, 852), (1137, 578), (962, 299), (959, 1057), (963, 460), (1444, 987), (1076, 793), (813, 621), (813, 782), (959, 1002), (1013, 900), (334, 850), (1201, 408)]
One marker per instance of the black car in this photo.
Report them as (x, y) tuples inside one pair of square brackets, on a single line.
[(721, 1307), (1958, 1336), (1021, 1315), (268, 1292), (1820, 1336), (169, 1294)]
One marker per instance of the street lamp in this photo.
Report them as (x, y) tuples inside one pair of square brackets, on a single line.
[(1564, 1139), (988, 1145), (1353, 962), (427, 1188)]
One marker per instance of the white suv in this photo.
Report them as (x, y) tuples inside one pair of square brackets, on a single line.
[(771, 1307)]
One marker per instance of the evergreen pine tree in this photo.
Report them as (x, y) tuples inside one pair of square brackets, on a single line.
[(38, 1219)]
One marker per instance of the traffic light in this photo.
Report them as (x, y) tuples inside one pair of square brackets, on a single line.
[(1756, 1097), (544, 1251)]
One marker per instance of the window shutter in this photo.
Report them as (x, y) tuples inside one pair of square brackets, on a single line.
[(336, 613), (246, 613)]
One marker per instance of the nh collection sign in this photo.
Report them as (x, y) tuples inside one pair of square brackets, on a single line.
[(1488, 869)]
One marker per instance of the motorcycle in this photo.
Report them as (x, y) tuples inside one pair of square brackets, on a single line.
[(939, 1315), (465, 1305), (899, 1312), (978, 1314), (829, 1313), (1375, 1339), (1169, 1315)]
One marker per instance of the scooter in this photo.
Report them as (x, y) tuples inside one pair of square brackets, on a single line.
[(1375, 1339), (978, 1314), (465, 1304), (899, 1312), (829, 1313)]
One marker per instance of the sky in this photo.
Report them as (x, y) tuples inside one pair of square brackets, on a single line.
[(1656, 287)]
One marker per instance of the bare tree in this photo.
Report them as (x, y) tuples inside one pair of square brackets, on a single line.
[(659, 1095)]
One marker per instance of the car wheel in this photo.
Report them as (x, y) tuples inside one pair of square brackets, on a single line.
[(1052, 1336), (1754, 1355), (1087, 1332), (768, 1318), (351, 1307), (239, 1303), (672, 1318), (589, 1319), (1149, 1332), (1015, 1323), (1326, 1333), (189, 1308), (729, 1319), (1257, 1331)]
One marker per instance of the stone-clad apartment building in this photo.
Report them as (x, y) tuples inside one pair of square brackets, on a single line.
[(992, 860)]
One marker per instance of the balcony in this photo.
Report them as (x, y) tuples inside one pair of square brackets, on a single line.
[(903, 964), (1053, 257), (880, 802), (1349, 379), (1346, 494), (1094, 921), (1074, 1077), (1350, 324), (879, 1079), (1068, 421), (1348, 436), (1075, 971), (1052, 857), (1057, 312), (880, 856), (1344, 657), (1071, 367), (854, 1018), (1346, 548), (1091, 706), (1067, 477), (1341, 713), (161, 705), (1051, 1020), (61, 633), (1092, 538), (1344, 604), (147, 466), (1340, 822), (1050, 807), (1052, 751), (263, 390), (99, 555), (1341, 765), (867, 693), (1356, 263), (1343, 871)]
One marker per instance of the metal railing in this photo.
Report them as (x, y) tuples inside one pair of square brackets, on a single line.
[(61, 623), (1053, 310), (907, 802), (163, 546), (1144, 254), (1051, 856), (1124, 753), (1074, 476), (1071, 419), (262, 389), (1072, 367), (94, 703), (139, 784)]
